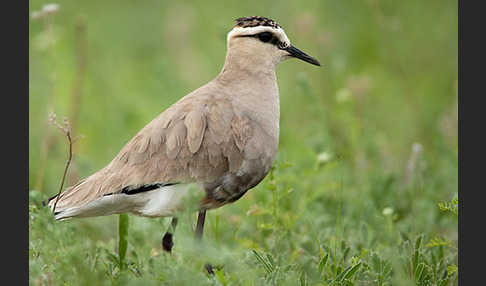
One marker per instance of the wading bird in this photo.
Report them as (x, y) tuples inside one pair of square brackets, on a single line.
[(220, 140)]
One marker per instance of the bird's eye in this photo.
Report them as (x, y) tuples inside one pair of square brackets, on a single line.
[(265, 37)]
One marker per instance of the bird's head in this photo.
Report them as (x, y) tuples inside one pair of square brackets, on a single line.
[(262, 41)]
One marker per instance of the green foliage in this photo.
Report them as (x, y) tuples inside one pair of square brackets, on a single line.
[(437, 241), (367, 149), (449, 206), (429, 265)]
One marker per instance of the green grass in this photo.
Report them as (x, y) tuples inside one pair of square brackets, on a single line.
[(348, 201)]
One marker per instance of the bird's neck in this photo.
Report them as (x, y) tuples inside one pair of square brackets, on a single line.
[(244, 65), (246, 78), (253, 87)]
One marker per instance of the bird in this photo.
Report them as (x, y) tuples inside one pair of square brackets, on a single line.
[(218, 141)]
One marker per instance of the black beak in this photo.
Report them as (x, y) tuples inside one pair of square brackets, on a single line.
[(296, 53)]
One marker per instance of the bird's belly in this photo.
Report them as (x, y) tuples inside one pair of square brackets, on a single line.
[(167, 201), (161, 202)]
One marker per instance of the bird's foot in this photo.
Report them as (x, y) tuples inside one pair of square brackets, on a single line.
[(167, 242), (209, 268)]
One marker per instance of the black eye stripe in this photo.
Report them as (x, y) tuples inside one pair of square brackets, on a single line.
[(266, 37)]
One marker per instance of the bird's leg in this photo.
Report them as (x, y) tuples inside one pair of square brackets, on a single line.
[(167, 242), (198, 234), (200, 224)]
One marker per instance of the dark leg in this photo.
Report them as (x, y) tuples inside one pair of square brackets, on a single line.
[(200, 224), (167, 242), (199, 232)]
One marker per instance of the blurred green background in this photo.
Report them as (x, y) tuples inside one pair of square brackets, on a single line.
[(368, 141)]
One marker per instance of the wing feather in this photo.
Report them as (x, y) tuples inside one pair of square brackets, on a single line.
[(195, 123), (193, 140)]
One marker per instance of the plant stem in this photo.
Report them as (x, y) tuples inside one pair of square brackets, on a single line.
[(68, 134), (122, 238)]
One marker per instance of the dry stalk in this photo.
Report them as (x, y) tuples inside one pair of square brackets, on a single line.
[(66, 129)]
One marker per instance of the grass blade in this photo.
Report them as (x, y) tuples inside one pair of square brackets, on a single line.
[(348, 272), (419, 271), (303, 279), (323, 262), (122, 238), (262, 261), (418, 242), (416, 253)]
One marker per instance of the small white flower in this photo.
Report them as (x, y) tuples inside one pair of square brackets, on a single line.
[(387, 211), (417, 148), (50, 8), (343, 95), (36, 14), (323, 157), (46, 10)]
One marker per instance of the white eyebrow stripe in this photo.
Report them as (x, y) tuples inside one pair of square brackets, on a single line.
[(279, 32)]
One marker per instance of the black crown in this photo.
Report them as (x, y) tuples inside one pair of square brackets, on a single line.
[(255, 21)]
